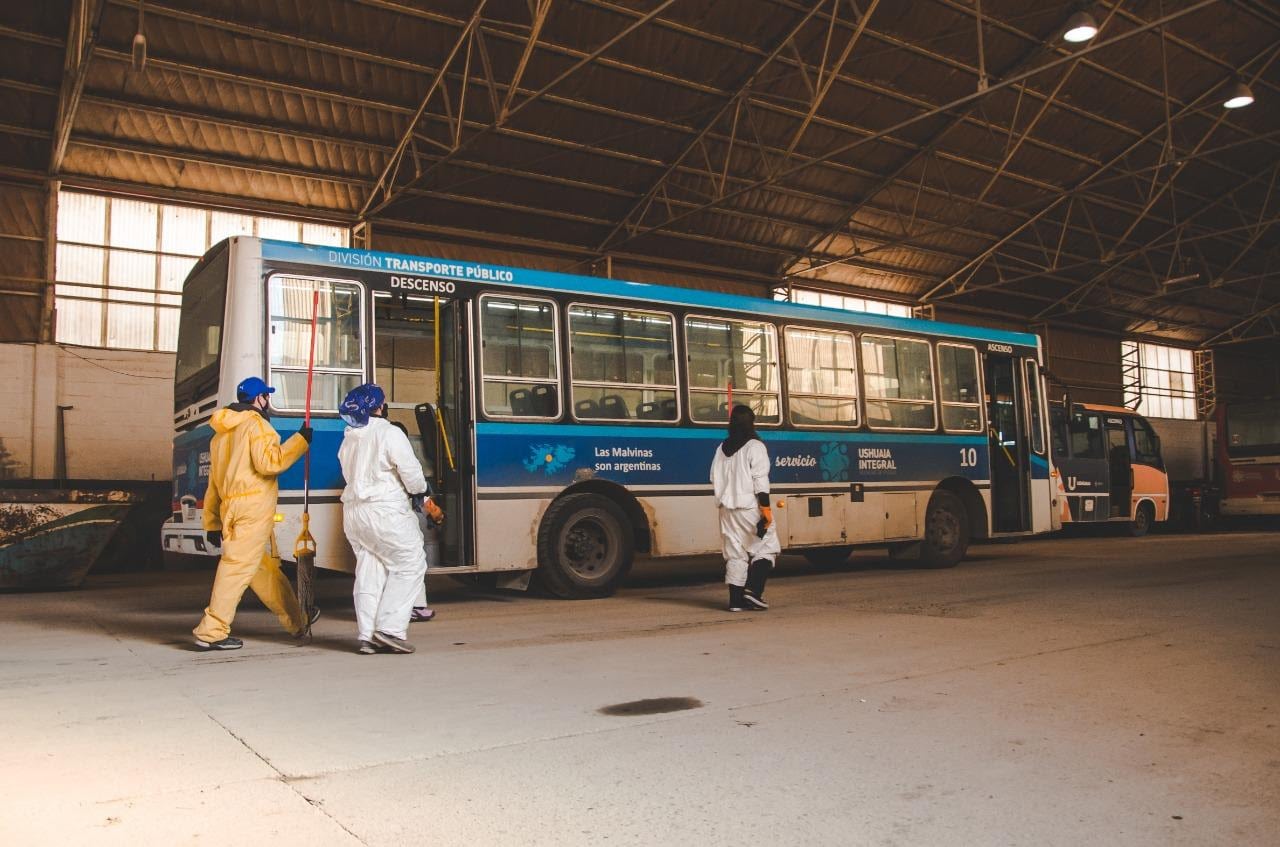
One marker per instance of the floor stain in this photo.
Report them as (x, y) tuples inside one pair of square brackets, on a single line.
[(651, 706)]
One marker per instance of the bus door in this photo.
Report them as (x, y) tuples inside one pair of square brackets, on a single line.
[(1010, 490), (425, 396), (1080, 456), (1119, 467)]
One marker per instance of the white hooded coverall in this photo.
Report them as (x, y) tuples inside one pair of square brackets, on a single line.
[(736, 480), (381, 470)]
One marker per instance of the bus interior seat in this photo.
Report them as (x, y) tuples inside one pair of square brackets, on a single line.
[(668, 409), (649, 411), (613, 406), (586, 409), (521, 402), (544, 400)]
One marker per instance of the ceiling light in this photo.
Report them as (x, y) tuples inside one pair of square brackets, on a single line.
[(1080, 27), (1238, 96)]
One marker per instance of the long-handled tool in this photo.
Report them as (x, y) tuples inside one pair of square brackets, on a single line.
[(304, 549)]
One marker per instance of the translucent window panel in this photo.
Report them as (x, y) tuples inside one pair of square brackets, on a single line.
[(82, 218), (183, 230), (713, 406), (610, 402), (129, 270), (821, 377), (823, 411), (621, 347), (173, 271), (519, 338), (958, 388), (131, 327), (167, 329), (81, 264), (338, 343), (78, 321), (227, 224), (327, 235), (961, 418), (897, 414), (279, 229), (808, 298), (739, 352), (134, 224), (404, 349)]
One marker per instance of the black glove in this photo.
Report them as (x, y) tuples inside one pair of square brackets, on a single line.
[(305, 432), (214, 537), (415, 500)]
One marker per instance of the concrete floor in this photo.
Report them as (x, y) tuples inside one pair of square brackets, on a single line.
[(1063, 691)]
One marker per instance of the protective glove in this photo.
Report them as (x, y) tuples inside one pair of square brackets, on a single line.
[(434, 512), (416, 500), (305, 432), (766, 521), (214, 537)]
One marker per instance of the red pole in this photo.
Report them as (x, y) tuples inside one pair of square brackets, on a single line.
[(728, 405), (311, 354)]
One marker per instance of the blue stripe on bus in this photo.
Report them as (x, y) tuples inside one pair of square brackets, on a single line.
[(476, 273), (556, 454)]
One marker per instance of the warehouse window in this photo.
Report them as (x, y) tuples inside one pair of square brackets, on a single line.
[(1165, 380), (845, 301), (121, 263)]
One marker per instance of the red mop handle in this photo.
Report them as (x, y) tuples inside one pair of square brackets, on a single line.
[(311, 354)]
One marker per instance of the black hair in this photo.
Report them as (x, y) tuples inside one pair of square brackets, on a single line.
[(742, 428)]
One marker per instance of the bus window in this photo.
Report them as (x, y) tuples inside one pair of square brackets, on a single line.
[(1086, 436), (1253, 429), (204, 300), (1146, 444), (621, 364), (822, 382), (729, 355), (1033, 403), (404, 354), (339, 341), (958, 388), (1059, 433), (520, 364), (898, 383)]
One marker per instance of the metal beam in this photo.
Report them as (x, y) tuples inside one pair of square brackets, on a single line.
[(86, 17), (937, 110)]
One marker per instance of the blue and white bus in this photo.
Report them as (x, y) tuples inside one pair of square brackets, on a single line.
[(569, 422)]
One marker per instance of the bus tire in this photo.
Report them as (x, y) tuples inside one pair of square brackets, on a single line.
[(585, 547), (946, 531), (827, 557), (1142, 520)]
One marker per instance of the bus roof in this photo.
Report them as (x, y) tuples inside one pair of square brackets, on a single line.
[(372, 260)]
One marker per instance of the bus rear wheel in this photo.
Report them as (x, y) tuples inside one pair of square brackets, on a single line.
[(585, 547), (1142, 520), (946, 531)]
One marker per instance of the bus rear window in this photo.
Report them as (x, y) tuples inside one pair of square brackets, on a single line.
[(1253, 429), (204, 299)]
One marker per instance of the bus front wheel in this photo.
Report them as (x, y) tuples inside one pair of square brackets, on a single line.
[(585, 547), (946, 531)]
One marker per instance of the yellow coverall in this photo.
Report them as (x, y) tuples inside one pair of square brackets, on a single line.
[(245, 457)]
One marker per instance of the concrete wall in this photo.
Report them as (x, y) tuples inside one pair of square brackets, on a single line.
[(119, 424)]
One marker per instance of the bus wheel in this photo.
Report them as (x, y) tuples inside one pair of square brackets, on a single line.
[(585, 547), (1142, 520), (828, 557), (946, 531)]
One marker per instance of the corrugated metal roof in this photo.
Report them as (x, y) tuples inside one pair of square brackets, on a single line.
[(770, 139)]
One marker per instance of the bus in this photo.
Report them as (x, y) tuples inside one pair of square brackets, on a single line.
[(567, 423), (1247, 458), (1108, 467)]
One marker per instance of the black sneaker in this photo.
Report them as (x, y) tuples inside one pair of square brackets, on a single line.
[(737, 602), (753, 603), (227, 643), (314, 616)]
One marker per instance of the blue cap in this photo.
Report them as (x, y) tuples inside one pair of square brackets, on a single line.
[(251, 388), (361, 402)]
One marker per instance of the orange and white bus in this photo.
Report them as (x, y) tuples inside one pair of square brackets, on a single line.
[(1108, 467)]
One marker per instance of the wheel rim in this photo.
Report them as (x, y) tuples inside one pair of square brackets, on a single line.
[(1142, 519), (942, 530), (589, 546)]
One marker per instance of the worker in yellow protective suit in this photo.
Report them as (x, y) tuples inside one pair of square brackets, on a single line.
[(246, 456)]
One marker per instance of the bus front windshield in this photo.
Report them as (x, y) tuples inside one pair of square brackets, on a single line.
[(1253, 429), (204, 298)]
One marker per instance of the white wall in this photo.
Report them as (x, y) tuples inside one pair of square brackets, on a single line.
[(119, 426)]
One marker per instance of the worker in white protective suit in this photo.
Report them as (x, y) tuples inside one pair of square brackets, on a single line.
[(385, 484), (740, 481)]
